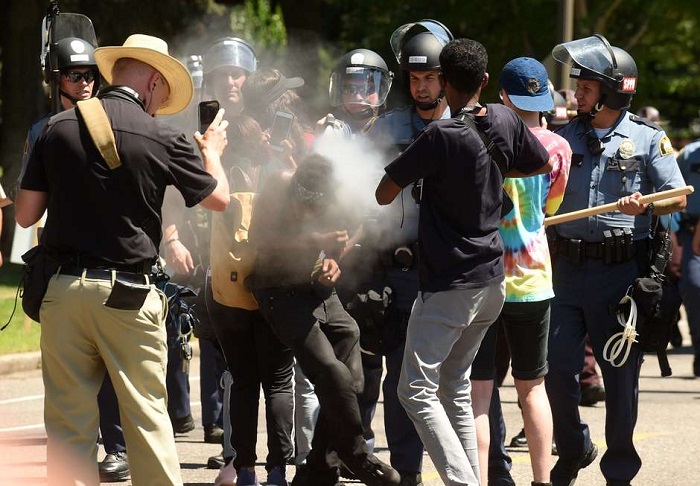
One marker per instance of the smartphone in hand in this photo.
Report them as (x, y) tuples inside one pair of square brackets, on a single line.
[(280, 130), (207, 113)]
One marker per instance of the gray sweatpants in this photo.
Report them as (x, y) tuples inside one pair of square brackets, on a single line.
[(444, 334)]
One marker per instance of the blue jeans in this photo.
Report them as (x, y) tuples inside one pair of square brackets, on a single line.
[(211, 367), (444, 333)]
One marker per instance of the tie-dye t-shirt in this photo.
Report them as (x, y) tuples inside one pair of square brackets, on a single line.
[(527, 264)]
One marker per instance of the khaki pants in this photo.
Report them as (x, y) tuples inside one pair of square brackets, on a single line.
[(80, 339)]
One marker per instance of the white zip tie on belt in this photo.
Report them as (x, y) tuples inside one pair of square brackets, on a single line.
[(621, 342)]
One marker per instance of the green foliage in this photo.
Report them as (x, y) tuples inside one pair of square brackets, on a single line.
[(263, 25)]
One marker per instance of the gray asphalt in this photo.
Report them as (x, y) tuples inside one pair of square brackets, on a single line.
[(667, 435)]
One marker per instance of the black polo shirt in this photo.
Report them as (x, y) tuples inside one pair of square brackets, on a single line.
[(459, 244), (112, 215)]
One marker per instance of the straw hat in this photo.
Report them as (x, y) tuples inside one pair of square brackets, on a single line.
[(154, 52)]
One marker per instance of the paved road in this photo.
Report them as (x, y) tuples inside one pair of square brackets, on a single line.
[(667, 437)]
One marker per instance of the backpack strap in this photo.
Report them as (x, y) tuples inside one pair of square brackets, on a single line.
[(100, 130), (497, 156), (493, 150)]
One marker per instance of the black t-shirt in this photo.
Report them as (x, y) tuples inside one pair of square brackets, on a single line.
[(112, 215), (459, 244)]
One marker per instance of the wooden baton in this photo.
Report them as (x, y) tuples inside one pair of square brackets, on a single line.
[(606, 208)]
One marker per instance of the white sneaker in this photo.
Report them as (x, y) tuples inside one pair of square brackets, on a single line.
[(227, 476)]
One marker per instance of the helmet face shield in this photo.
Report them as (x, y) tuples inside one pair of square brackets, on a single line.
[(359, 85), (591, 54), (406, 31), (594, 58), (230, 52)]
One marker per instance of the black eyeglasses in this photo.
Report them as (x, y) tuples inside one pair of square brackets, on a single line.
[(75, 76)]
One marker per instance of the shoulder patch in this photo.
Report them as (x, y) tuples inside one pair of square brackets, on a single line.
[(665, 146), (643, 121)]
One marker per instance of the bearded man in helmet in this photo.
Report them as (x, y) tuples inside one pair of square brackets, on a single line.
[(617, 157)]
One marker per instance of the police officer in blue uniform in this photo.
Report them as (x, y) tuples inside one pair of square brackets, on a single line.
[(417, 48), (689, 162), (617, 157)]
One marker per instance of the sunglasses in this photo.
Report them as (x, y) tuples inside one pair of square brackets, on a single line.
[(75, 76)]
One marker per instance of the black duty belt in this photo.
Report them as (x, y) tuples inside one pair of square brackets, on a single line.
[(582, 248), (104, 274), (616, 250)]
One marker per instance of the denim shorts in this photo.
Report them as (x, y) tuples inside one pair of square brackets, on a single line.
[(526, 326)]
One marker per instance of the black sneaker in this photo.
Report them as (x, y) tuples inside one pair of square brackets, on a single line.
[(519, 440), (305, 476), (373, 472), (565, 471), (216, 462), (213, 434), (183, 425), (114, 467), (411, 479)]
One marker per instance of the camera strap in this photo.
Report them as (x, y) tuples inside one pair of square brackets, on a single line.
[(100, 130)]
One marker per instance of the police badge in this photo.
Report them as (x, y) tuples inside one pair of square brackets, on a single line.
[(626, 148)]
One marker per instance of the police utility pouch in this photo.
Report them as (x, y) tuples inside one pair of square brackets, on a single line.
[(658, 302), (40, 267), (127, 296)]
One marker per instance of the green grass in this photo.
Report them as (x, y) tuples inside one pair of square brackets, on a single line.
[(22, 334)]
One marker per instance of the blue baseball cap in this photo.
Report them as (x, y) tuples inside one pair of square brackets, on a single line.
[(525, 80)]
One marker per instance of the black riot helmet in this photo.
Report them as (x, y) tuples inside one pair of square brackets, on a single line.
[(360, 77), (75, 52), (421, 53), (417, 45), (594, 58)]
